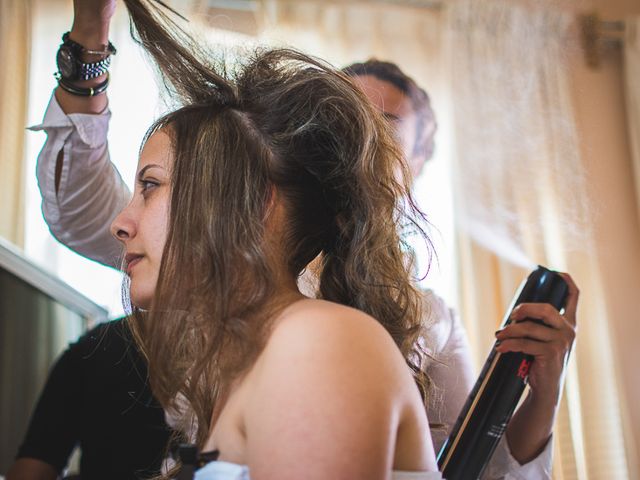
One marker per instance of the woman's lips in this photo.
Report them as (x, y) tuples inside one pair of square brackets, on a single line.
[(132, 260)]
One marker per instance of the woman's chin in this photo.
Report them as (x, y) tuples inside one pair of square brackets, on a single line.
[(140, 300)]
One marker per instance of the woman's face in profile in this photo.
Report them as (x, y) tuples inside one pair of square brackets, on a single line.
[(142, 225)]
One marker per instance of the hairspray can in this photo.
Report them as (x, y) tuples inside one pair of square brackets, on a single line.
[(494, 397)]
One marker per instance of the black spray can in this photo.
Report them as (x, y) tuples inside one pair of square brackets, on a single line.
[(494, 397)]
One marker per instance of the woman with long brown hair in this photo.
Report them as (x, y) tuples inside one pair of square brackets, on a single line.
[(237, 191)]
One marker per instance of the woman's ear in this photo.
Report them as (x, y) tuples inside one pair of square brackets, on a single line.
[(275, 224), (275, 215), (272, 201)]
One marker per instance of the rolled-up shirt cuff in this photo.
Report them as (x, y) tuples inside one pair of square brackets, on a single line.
[(91, 127)]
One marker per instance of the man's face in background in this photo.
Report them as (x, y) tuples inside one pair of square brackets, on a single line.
[(398, 108)]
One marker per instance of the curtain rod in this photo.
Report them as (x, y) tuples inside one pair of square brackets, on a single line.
[(428, 4), (252, 5), (599, 36)]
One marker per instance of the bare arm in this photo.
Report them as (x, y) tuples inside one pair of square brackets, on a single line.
[(31, 469)]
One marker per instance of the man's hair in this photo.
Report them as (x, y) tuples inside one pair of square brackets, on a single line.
[(391, 73)]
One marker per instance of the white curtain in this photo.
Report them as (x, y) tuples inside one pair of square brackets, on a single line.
[(632, 97), (498, 76), (632, 93), (521, 199), (15, 38)]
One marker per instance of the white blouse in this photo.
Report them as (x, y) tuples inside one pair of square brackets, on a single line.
[(232, 471)]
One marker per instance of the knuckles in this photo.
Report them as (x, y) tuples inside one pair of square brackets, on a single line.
[(559, 351), (548, 310)]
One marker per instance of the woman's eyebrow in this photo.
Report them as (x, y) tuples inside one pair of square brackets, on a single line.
[(145, 168)]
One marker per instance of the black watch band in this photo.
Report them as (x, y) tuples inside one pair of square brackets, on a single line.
[(70, 66), (82, 91)]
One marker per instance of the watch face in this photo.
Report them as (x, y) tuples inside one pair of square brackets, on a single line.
[(66, 63)]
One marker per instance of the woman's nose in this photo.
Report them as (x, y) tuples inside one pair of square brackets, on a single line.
[(123, 226)]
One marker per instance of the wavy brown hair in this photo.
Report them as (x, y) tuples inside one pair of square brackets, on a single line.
[(286, 121)]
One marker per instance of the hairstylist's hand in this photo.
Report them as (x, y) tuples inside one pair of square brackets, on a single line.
[(550, 345)]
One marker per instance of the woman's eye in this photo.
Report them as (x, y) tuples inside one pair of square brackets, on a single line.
[(147, 185)]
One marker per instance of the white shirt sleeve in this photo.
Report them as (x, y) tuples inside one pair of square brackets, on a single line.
[(453, 376), (90, 193), (504, 466), (451, 370)]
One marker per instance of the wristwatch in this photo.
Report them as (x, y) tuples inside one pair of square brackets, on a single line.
[(71, 67)]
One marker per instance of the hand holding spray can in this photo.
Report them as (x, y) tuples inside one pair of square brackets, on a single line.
[(493, 399)]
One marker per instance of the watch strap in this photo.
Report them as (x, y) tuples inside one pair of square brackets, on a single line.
[(87, 71), (82, 70)]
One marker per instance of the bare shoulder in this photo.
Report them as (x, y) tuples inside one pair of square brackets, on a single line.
[(335, 333), (308, 318), (330, 384)]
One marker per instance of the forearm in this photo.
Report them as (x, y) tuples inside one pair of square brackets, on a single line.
[(81, 190), (31, 469), (530, 428), (549, 342)]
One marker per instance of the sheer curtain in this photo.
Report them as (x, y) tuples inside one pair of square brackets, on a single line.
[(498, 75), (632, 95), (521, 200), (15, 38), (632, 92)]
